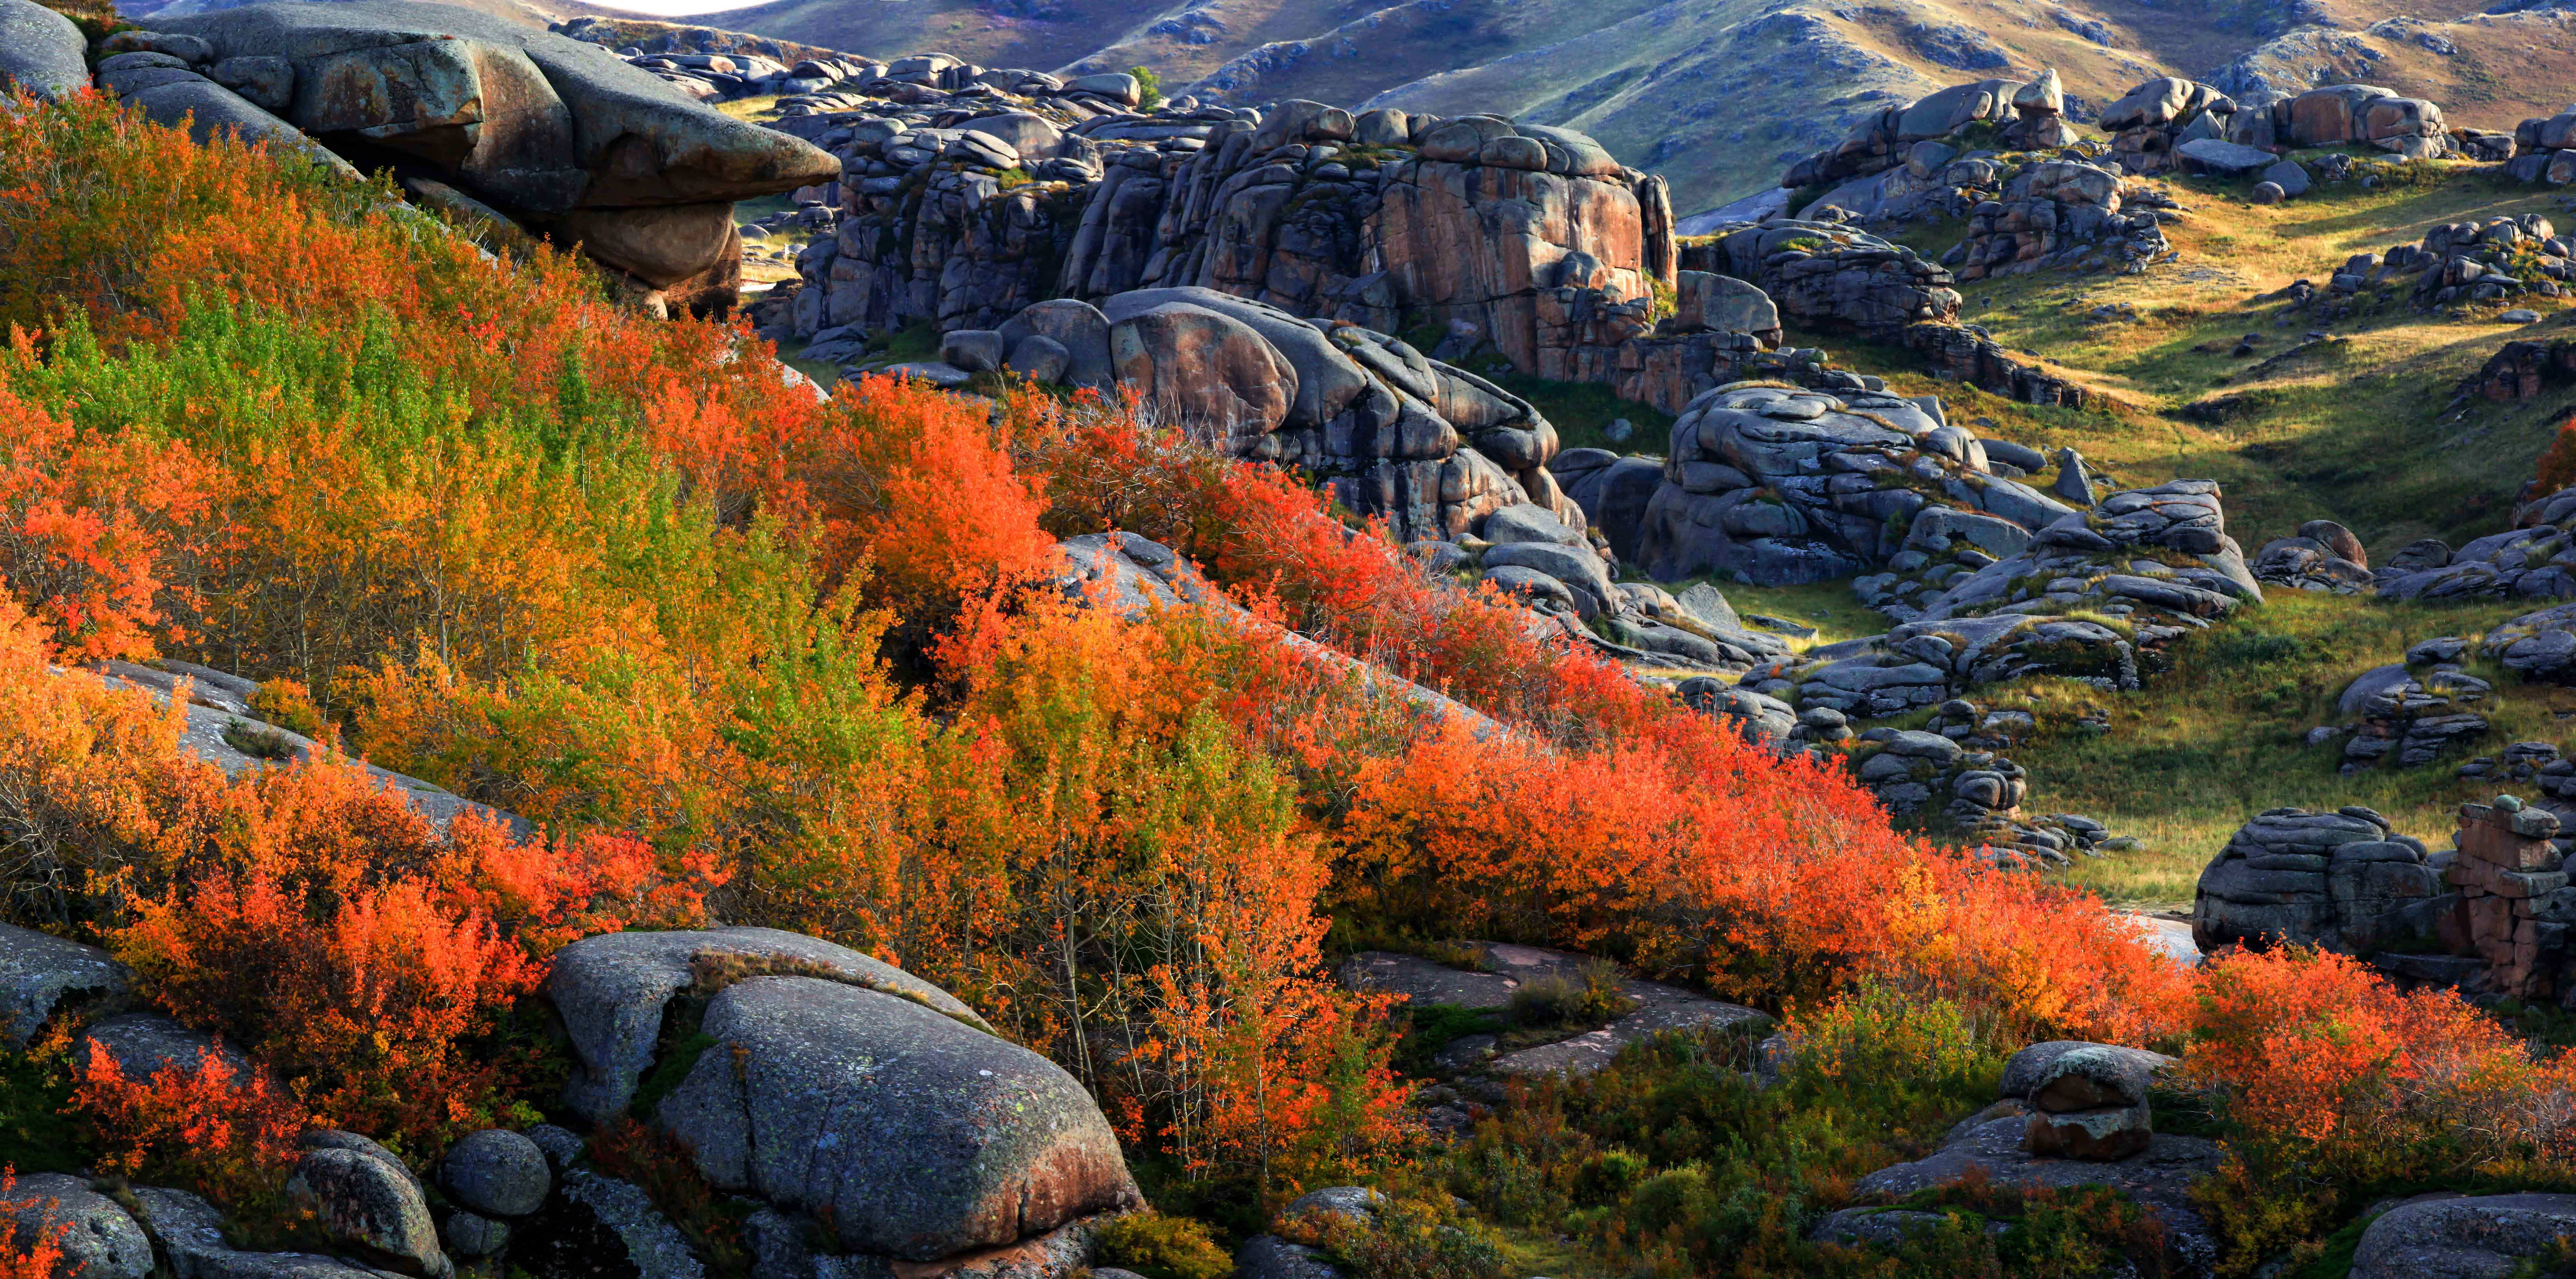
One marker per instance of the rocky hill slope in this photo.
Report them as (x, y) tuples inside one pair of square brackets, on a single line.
[(1717, 96)]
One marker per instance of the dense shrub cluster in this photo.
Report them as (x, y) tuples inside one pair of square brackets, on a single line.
[(727, 639)]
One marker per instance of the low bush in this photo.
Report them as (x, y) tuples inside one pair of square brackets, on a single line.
[(1161, 1247)]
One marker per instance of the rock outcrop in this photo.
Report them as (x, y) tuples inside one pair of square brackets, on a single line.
[(1775, 485), (553, 134), (2445, 1233), (1434, 449), (41, 52), (965, 1140), (2323, 556), (2406, 719), (2347, 113), (1827, 275), (2063, 1121), (2342, 880), (959, 210), (2019, 115), (2536, 560)]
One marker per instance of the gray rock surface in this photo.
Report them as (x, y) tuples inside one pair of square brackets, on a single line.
[(555, 132), (98, 1240), (496, 1171), (2476, 1237), (363, 1197), (611, 991), (41, 51), (1991, 1144), (912, 1133), (651, 1244), (144, 1044), (38, 971), (1422, 981), (2341, 880), (1271, 1257), (190, 1233)]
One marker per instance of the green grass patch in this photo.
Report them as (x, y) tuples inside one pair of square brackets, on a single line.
[(1582, 413), (2185, 761)]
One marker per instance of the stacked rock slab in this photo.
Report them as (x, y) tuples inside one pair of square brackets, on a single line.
[(558, 135), (1778, 485), (2505, 871), (1827, 275), (2342, 880), (2088, 1101), (2407, 719), (2111, 560)]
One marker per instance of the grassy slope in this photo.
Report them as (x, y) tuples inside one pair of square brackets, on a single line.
[(2361, 436)]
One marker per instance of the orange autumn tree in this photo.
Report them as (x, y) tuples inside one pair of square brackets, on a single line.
[(2339, 1088), (96, 529)]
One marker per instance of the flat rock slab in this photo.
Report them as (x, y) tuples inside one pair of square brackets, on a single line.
[(2159, 1177), (1659, 1008), (96, 1236), (1425, 981)]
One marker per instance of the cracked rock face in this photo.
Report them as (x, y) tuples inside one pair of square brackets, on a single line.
[(909, 1133)]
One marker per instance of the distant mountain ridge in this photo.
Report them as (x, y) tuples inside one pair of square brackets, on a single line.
[(1720, 96)]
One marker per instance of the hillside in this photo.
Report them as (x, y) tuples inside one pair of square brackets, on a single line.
[(1718, 96)]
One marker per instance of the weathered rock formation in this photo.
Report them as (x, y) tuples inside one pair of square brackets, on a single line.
[(1782, 485), (2532, 561), (2071, 1114), (2017, 115), (1535, 237), (41, 52), (1826, 275), (2322, 556), (2407, 719), (2348, 113), (1429, 446), (479, 115), (2154, 121), (2057, 214), (2506, 875), (2341, 880)]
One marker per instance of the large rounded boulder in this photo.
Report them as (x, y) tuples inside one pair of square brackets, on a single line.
[(909, 1133)]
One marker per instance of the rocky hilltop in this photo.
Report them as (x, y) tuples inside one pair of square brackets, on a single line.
[(1665, 86)]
